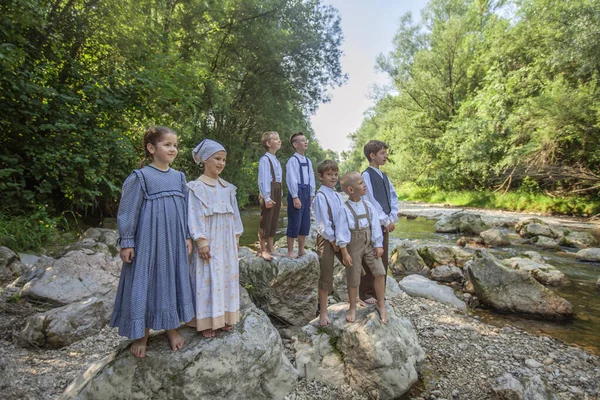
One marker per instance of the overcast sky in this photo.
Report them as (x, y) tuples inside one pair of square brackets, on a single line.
[(369, 27)]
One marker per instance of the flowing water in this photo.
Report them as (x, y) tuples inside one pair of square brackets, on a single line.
[(583, 331)]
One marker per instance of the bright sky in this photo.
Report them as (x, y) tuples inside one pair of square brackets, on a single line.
[(369, 27)]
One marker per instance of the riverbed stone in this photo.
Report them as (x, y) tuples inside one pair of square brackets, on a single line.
[(284, 287), (65, 325), (447, 273), (463, 222), (246, 363), (405, 259), (471, 242), (495, 237), (579, 239), (77, 276), (10, 264), (591, 254), (527, 387), (439, 254), (545, 242), (514, 291), (419, 286), (379, 360), (542, 272)]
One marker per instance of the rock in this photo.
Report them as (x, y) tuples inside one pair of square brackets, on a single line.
[(447, 273), (529, 388), (63, 326), (495, 237), (109, 237), (406, 259), (381, 360), (10, 264), (545, 243), (284, 287), (462, 222), (598, 284), (84, 244), (545, 274), (76, 276), (471, 242), (540, 229), (531, 363), (514, 291), (591, 254), (535, 256), (392, 289), (419, 286), (246, 363), (435, 255), (579, 239)]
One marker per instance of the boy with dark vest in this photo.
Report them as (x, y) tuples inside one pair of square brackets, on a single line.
[(300, 181), (361, 242), (327, 203), (269, 186), (380, 193)]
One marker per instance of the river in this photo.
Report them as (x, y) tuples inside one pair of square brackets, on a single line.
[(583, 331)]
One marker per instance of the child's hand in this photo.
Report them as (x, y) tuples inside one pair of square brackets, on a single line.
[(336, 248), (204, 252), (189, 245), (269, 204), (297, 203), (390, 227), (127, 255), (378, 252), (347, 260)]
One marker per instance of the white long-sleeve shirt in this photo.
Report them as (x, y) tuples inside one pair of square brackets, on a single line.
[(264, 175), (292, 175), (384, 219), (344, 221), (325, 226)]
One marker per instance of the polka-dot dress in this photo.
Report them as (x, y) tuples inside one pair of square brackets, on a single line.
[(155, 290)]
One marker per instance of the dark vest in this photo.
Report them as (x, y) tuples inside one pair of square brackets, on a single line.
[(381, 190)]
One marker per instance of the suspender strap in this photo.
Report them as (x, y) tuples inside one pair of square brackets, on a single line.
[(357, 217), (272, 169), (329, 212), (302, 164)]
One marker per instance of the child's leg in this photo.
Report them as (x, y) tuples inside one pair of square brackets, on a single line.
[(352, 297), (138, 347), (264, 253), (323, 314), (263, 229), (290, 247), (175, 339), (380, 293), (270, 241), (301, 241)]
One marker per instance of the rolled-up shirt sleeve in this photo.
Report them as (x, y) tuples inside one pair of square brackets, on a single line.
[(291, 177), (264, 178), (324, 226), (342, 230), (376, 232)]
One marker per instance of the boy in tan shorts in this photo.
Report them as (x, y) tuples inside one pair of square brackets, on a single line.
[(269, 185), (360, 239), (326, 204)]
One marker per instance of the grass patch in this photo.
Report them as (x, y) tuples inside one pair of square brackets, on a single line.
[(31, 232), (511, 201)]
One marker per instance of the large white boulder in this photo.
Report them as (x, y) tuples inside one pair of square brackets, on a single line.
[(419, 286)]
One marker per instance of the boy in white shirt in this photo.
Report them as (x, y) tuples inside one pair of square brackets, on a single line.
[(361, 242), (300, 181), (269, 185), (327, 203)]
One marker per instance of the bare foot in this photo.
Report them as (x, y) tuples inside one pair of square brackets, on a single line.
[(324, 319), (291, 255), (382, 314), (265, 255), (175, 339), (351, 315), (301, 253), (361, 303), (138, 347), (227, 328), (208, 333), (371, 300)]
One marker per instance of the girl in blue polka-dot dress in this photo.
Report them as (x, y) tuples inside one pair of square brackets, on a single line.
[(155, 289)]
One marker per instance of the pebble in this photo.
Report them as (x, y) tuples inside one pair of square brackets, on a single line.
[(548, 361), (438, 333), (531, 363)]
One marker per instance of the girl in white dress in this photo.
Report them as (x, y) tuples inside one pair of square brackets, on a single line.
[(215, 226)]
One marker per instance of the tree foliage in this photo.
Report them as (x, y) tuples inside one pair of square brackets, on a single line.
[(490, 94), (81, 80)]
